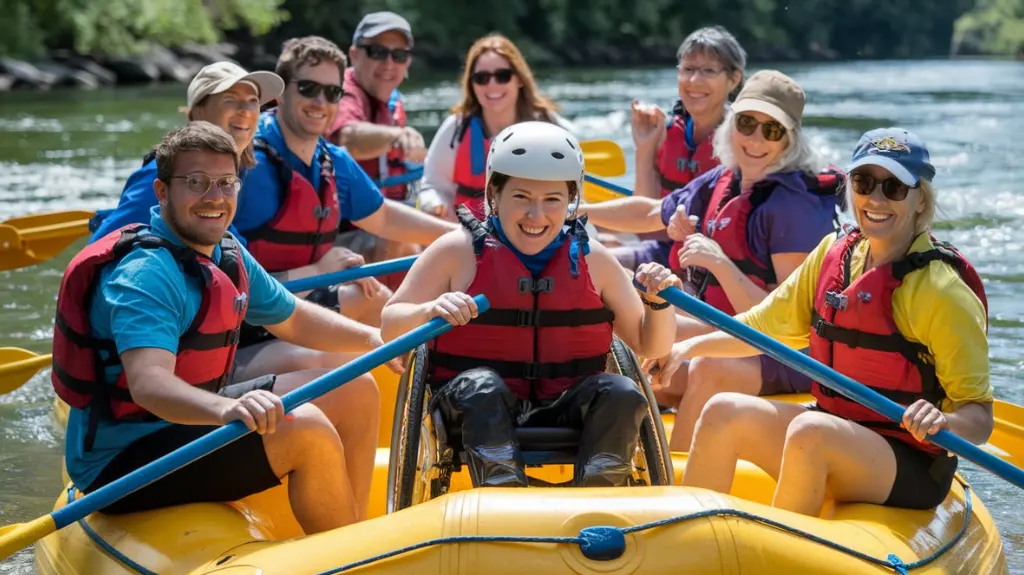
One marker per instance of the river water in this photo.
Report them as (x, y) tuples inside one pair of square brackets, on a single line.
[(73, 150)]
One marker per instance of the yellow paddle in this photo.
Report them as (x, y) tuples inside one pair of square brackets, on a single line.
[(18, 366), (29, 240)]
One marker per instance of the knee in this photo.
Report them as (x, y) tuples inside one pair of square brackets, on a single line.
[(624, 394), (482, 381), (706, 373), (309, 431), (808, 433), (724, 411), (363, 396)]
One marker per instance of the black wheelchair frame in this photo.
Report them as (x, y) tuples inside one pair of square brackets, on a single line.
[(424, 453)]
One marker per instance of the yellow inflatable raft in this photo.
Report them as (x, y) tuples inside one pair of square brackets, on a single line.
[(642, 530)]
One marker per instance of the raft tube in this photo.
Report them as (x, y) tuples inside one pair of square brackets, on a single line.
[(642, 530)]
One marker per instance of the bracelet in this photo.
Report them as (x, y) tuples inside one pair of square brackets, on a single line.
[(654, 306)]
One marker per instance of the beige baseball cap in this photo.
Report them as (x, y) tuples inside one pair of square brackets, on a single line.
[(774, 93), (221, 76)]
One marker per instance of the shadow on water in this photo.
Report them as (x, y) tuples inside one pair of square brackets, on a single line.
[(74, 150)]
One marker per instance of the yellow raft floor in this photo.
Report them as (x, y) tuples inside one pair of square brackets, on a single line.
[(259, 535)]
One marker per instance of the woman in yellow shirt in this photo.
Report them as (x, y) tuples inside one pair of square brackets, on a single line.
[(885, 306)]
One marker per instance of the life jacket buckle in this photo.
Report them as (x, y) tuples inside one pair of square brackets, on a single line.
[(321, 212), (233, 337), (531, 370), (528, 285), (527, 318), (835, 300)]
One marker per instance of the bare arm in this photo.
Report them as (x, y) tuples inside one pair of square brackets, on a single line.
[(397, 222), (973, 422), (648, 184), (429, 277), (648, 332), (153, 385), (743, 294), (365, 141), (319, 328), (633, 214)]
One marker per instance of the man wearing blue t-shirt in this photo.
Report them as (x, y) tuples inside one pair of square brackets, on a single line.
[(162, 324), (302, 187)]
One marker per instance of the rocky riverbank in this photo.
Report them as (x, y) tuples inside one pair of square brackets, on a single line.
[(64, 69)]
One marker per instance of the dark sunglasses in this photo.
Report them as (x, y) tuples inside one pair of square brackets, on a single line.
[(501, 76), (771, 130), (200, 184), (381, 53), (892, 188), (310, 90)]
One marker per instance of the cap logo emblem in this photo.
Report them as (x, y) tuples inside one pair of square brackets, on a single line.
[(888, 144)]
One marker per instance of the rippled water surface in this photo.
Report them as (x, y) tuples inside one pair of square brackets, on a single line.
[(73, 150)]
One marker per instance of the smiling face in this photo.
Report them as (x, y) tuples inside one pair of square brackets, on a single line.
[(880, 218), (704, 84), (235, 110), (494, 96), (309, 117), (532, 212), (374, 64), (753, 153), (200, 220)]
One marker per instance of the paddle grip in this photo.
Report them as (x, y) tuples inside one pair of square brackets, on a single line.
[(224, 435), (350, 274), (836, 381), (606, 184)]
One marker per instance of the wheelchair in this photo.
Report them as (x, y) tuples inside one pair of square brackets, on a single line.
[(425, 453)]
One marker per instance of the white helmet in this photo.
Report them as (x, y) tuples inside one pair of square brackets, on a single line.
[(537, 151)]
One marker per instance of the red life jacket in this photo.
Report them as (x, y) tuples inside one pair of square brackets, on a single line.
[(470, 172), (541, 335), (206, 351), (392, 163), (678, 164), (725, 221), (305, 225), (853, 331)]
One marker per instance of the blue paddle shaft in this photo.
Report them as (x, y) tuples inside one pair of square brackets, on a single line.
[(837, 382), (608, 185), (224, 435), (351, 274), (415, 173)]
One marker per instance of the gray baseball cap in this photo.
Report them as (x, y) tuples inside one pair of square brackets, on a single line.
[(376, 23)]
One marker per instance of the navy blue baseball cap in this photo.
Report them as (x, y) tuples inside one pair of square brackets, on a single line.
[(897, 150)]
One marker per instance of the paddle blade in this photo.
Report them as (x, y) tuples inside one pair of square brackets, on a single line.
[(14, 538), (595, 194), (1007, 440), (603, 158), (29, 240), (18, 366)]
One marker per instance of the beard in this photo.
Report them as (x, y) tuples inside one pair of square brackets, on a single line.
[(190, 231)]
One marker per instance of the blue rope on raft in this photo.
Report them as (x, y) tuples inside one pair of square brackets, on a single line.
[(110, 549), (605, 543)]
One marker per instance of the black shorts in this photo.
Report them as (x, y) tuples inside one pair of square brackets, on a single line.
[(922, 480), (237, 470)]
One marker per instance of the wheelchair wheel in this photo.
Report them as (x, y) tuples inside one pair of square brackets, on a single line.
[(652, 458), (414, 459)]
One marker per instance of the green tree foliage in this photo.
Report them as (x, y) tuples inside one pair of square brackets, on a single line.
[(993, 27), (127, 26), (548, 31)]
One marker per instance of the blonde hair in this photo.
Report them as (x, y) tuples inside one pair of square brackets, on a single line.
[(799, 155), (925, 219), (530, 105)]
